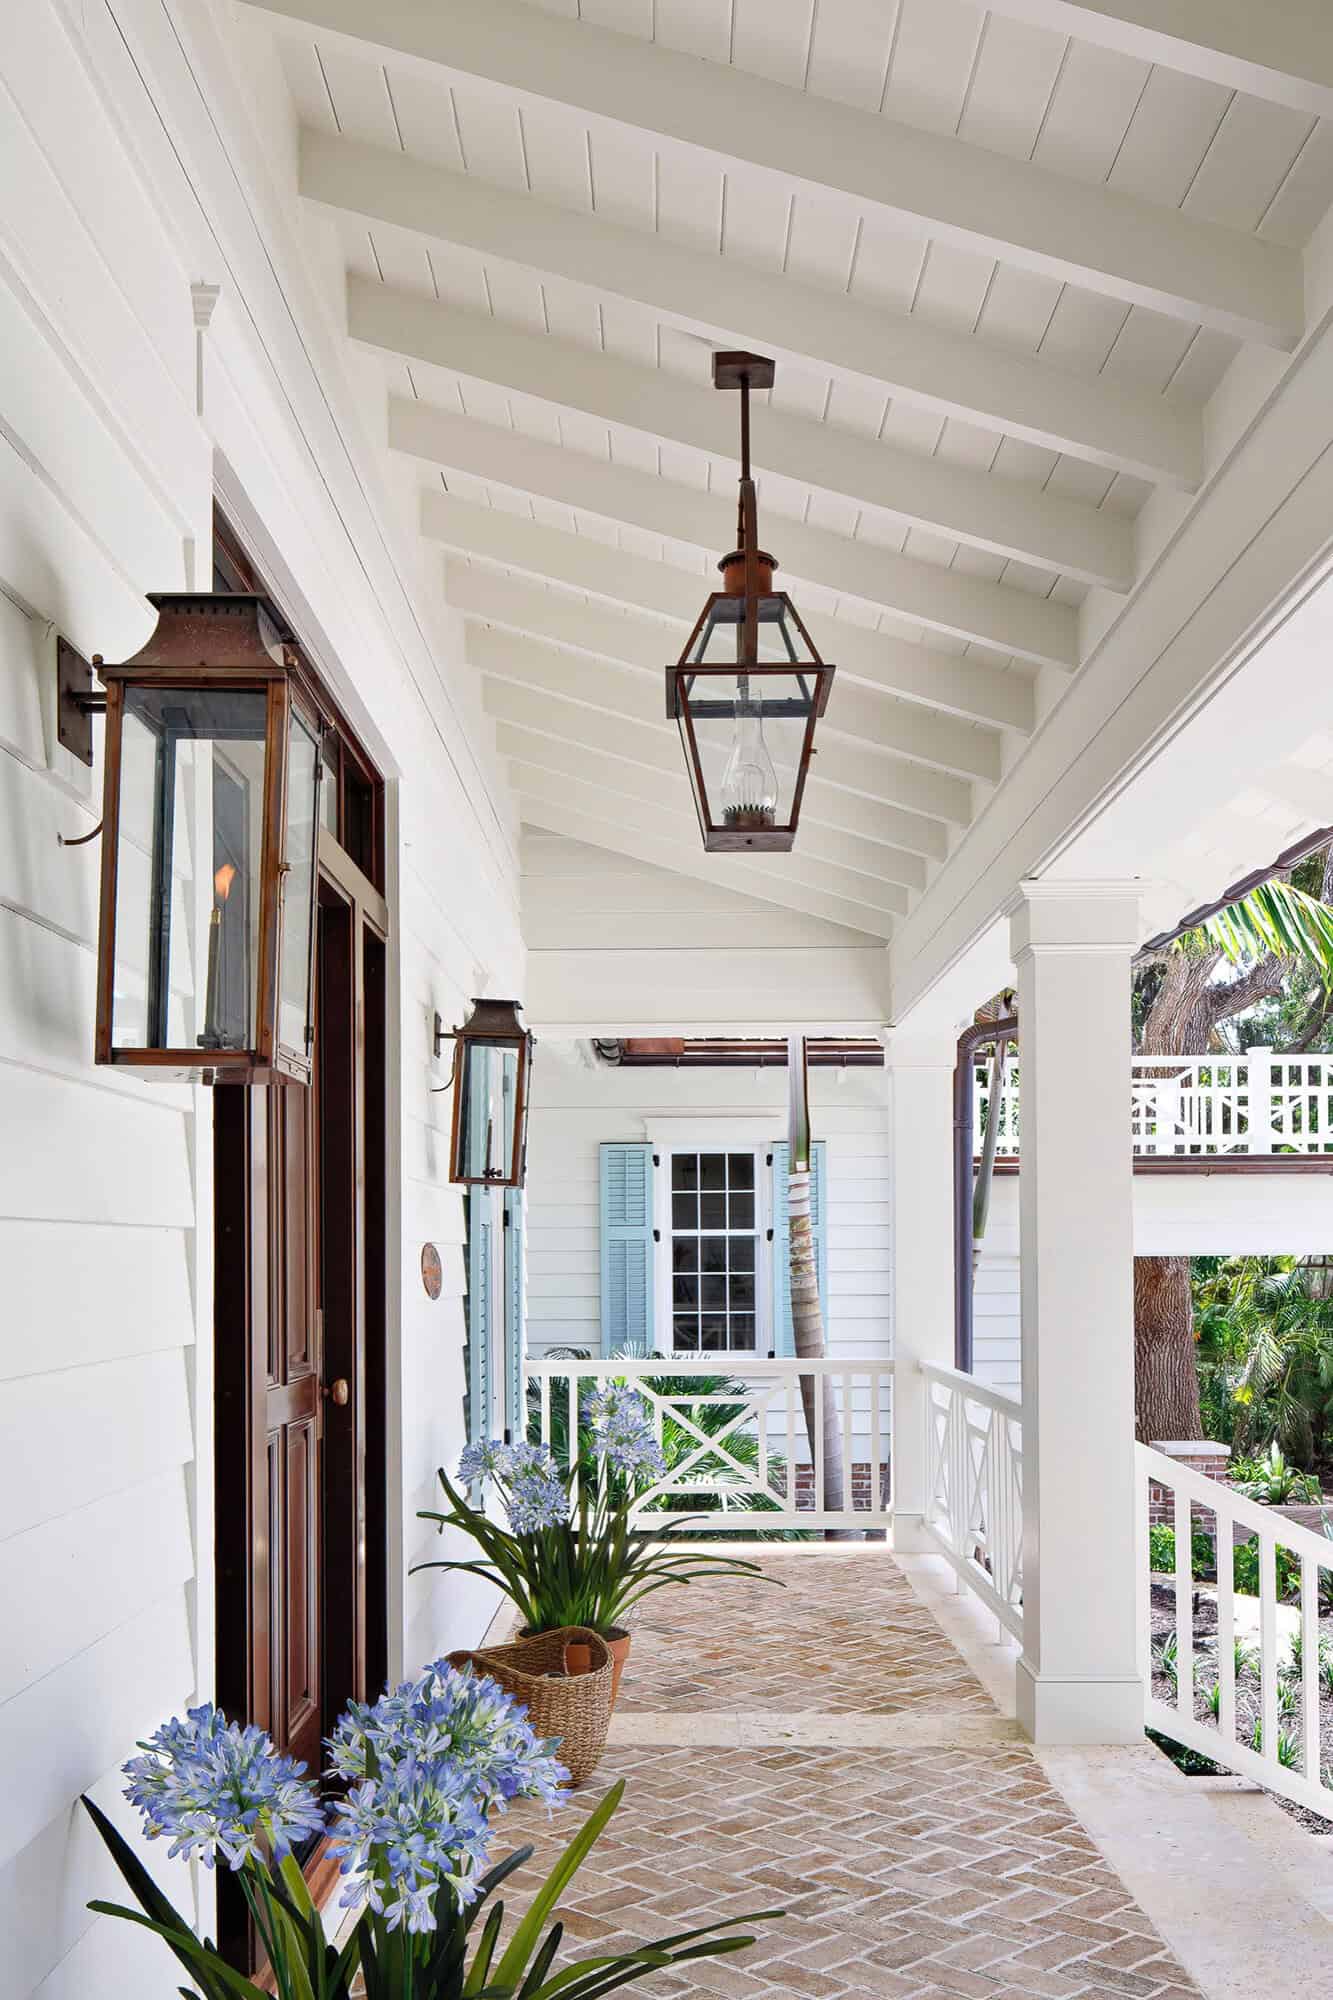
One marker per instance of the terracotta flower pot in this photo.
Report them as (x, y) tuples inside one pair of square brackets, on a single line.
[(578, 1659)]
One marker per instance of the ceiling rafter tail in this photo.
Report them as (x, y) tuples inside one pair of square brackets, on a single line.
[(893, 666), (1084, 234), (871, 722), (1040, 630), (1001, 516), (1281, 52), (747, 877), (577, 764), (623, 729), (650, 764), (814, 870), (1105, 422)]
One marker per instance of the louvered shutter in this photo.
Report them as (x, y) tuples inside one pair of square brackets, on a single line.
[(515, 1325), (784, 1342), (480, 1230), (627, 1248)]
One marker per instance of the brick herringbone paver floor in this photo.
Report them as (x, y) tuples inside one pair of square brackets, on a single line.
[(925, 1873), (846, 1634)]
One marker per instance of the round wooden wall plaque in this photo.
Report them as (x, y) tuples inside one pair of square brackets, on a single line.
[(432, 1271)]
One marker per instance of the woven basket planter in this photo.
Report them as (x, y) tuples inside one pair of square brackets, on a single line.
[(574, 1707)]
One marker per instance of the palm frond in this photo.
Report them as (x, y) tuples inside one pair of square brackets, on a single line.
[(1279, 918)]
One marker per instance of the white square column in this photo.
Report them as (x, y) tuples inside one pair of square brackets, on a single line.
[(920, 1074), (1078, 1678)]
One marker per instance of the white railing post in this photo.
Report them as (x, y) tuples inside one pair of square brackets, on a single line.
[(1078, 1679), (1260, 1123), (920, 1078)]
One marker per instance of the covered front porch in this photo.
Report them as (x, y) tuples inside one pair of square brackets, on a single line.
[(845, 1749)]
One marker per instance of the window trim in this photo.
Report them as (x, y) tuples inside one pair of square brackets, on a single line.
[(713, 1136)]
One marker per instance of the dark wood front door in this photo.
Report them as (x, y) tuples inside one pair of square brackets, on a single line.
[(301, 1534)]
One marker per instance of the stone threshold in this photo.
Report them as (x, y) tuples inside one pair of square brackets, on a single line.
[(913, 1729)]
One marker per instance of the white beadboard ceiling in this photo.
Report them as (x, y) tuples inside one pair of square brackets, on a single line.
[(1004, 256)]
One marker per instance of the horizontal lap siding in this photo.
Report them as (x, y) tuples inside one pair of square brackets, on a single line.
[(575, 1109), (106, 484)]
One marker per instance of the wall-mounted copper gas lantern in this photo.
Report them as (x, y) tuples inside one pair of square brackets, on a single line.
[(750, 686), (488, 1143), (211, 812)]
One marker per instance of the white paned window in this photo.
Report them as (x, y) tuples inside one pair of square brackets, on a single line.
[(715, 1272)]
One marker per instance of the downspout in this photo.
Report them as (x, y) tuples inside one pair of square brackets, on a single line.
[(971, 1039)]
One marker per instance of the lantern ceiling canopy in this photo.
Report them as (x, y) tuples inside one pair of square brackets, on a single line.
[(749, 686)]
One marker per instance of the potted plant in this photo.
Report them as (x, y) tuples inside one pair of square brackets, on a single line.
[(424, 1768), (569, 1555)]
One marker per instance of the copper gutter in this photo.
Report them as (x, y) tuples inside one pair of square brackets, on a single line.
[(978, 1036)]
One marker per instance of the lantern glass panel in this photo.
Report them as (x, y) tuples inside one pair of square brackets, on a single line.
[(190, 840), (750, 729), (295, 964), (778, 634)]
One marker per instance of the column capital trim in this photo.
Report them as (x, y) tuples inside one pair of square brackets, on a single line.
[(1074, 917), (920, 1048)]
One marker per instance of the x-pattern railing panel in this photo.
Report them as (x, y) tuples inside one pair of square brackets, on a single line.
[(739, 1443), (974, 1487)]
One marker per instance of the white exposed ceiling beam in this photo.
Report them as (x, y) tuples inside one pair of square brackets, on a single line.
[(958, 685), (665, 784), (1001, 516), (870, 722), (1094, 236), (747, 874), (734, 304), (1281, 50), (781, 877), (810, 861), (1009, 620), (638, 731)]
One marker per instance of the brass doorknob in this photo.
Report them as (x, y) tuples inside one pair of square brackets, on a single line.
[(338, 1392)]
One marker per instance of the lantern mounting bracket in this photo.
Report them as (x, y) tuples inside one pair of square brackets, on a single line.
[(441, 1036), (76, 702)]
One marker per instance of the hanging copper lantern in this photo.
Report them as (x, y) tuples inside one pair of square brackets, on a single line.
[(749, 686)]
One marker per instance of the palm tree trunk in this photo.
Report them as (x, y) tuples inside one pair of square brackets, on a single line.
[(807, 1325)]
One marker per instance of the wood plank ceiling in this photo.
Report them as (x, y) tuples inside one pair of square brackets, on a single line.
[(1005, 257)]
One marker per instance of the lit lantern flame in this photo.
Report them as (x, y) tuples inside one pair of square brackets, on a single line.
[(223, 880)]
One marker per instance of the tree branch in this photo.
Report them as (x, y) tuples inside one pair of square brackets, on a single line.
[(1261, 982)]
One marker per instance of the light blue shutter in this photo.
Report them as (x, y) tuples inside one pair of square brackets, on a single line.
[(515, 1408), (783, 1341), (479, 1314), (627, 1248)]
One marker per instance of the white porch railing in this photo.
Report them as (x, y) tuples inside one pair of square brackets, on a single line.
[(739, 1453), (1202, 1107), (1249, 1698), (974, 1487)]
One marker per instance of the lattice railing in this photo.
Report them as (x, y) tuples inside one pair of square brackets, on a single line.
[(741, 1450), (974, 1487), (1202, 1107)]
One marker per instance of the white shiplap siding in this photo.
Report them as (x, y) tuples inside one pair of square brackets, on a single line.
[(576, 1107)]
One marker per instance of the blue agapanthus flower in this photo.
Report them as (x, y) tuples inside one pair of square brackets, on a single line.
[(429, 1761), (213, 1787), (534, 1493), (622, 1429)]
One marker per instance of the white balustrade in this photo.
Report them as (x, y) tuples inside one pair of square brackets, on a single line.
[(1279, 1743), (1202, 1107), (738, 1445), (974, 1487)]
